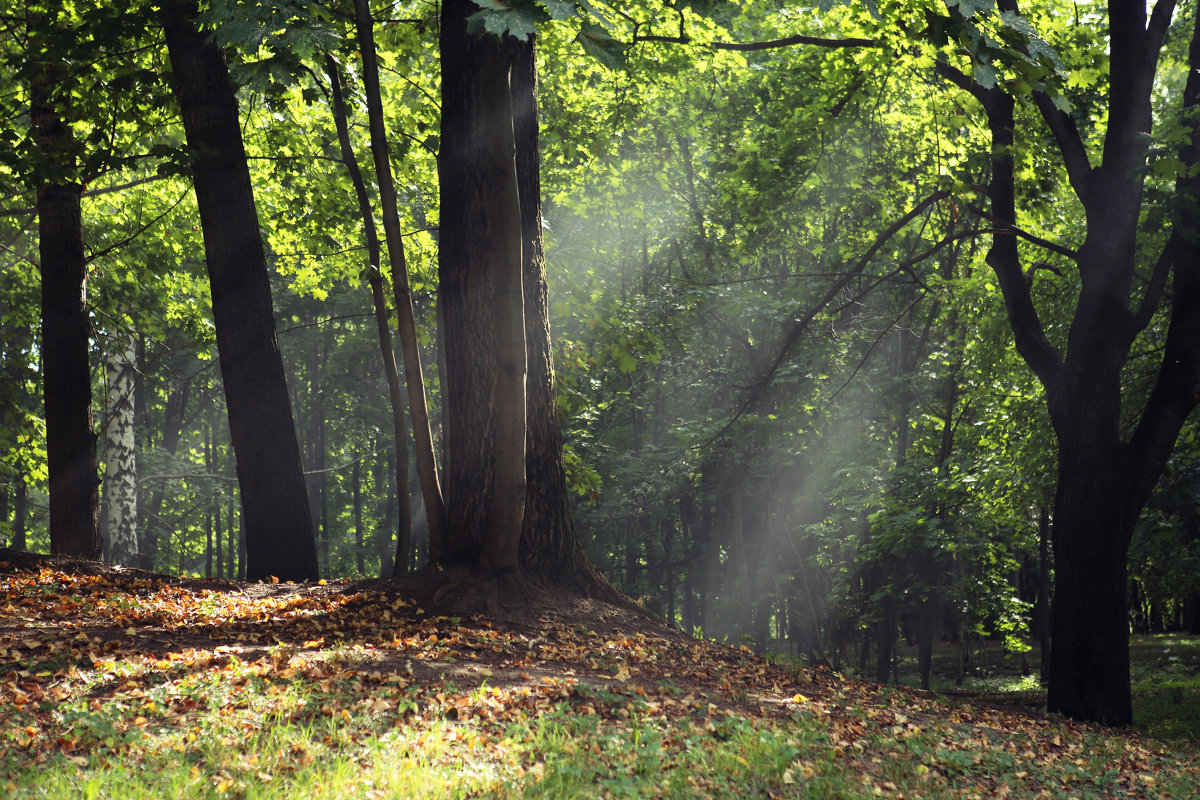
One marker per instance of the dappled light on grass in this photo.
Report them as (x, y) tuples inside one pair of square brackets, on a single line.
[(120, 684)]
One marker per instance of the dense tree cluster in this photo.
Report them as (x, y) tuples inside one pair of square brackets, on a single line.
[(869, 322)]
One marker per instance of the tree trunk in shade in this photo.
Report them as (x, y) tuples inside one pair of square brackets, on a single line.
[(480, 222), (70, 441), (275, 511)]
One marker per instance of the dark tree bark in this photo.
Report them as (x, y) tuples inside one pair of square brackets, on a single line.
[(275, 510), (505, 486), (20, 512), (479, 219), (550, 545), (70, 440), (1105, 477)]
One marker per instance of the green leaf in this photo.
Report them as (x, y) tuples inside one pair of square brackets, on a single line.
[(985, 75), (1039, 49), (602, 46), (969, 8), (559, 9), (520, 21), (706, 8)]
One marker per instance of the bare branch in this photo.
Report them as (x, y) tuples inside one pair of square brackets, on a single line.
[(789, 41), (803, 318), (1006, 227), (1157, 285)]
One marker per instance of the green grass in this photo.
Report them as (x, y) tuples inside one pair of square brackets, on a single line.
[(581, 748), (298, 718), (1165, 671)]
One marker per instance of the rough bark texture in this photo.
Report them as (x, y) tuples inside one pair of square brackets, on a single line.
[(501, 547), (120, 454), (275, 511), (466, 279), (70, 440)]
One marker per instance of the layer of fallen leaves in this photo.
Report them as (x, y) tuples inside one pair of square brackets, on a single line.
[(94, 661)]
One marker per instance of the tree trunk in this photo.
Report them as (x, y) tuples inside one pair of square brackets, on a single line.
[(479, 222), (550, 546), (70, 441), (501, 549), (19, 514), (711, 538), (275, 510), (119, 451), (427, 471), (386, 487), (173, 418), (360, 556), (1089, 652), (379, 303), (210, 465)]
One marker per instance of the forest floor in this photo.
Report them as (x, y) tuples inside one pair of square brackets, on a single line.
[(124, 684)]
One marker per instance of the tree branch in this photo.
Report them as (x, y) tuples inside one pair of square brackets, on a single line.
[(1176, 392), (1157, 285), (137, 233), (1070, 143), (789, 41), (803, 318), (1009, 228)]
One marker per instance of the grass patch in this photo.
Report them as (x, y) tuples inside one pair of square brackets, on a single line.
[(364, 695)]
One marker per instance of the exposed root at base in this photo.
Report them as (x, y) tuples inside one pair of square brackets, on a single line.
[(466, 591)]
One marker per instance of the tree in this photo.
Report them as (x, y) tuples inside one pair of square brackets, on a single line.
[(278, 523), (550, 545), (427, 469), (120, 454), (1109, 455), (506, 496), (480, 239), (70, 440), (379, 303)]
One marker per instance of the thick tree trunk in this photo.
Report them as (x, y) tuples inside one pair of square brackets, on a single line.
[(1088, 675), (479, 223), (119, 452), (550, 546), (501, 548), (70, 441), (275, 510)]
